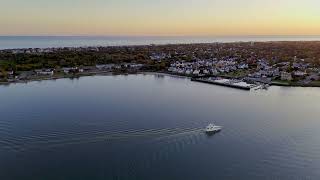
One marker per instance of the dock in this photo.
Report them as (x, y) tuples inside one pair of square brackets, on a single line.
[(226, 84)]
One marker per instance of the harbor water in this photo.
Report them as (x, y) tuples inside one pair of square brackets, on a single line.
[(151, 127)]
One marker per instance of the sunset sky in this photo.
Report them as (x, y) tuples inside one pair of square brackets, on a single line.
[(159, 17)]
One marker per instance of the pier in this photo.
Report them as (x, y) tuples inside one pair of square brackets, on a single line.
[(226, 84)]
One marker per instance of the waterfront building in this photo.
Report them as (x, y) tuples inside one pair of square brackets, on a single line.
[(299, 73), (285, 76), (48, 72), (196, 72)]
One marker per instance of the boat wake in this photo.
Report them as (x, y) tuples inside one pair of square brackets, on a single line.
[(63, 139)]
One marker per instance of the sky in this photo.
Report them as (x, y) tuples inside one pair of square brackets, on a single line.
[(160, 17)]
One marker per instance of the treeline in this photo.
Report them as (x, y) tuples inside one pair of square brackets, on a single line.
[(64, 58)]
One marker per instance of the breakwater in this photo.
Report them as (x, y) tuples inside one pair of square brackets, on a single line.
[(226, 84)]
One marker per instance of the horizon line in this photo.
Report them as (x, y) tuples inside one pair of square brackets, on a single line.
[(85, 35)]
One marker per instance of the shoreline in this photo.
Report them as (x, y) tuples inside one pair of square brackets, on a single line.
[(57, 77), (106, 73), (109, 73), (225, 60)]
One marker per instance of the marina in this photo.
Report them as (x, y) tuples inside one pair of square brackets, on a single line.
[(232, 83)]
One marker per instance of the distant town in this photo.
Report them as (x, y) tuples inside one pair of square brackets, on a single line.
[(254, 63)]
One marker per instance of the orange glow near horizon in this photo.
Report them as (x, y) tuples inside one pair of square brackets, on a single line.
[(150, 17)]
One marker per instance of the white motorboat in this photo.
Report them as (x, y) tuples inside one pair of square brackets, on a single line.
[(211, 128)]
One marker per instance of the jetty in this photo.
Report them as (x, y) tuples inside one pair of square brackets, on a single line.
[(238, 84)]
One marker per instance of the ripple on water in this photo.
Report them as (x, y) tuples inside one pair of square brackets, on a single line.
[(63, 138)]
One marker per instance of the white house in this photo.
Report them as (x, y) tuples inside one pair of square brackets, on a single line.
[(214, 71), (285, 76), (48, 72), (299, 73), (206, 72), (196, 72), (188, 71)]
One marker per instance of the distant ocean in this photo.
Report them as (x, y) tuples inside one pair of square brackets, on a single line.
[(12, 42)]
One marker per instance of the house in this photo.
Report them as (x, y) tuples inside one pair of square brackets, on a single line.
[(276, 72), (66, 70), (196, 72), (188, 72), (243, 66), (172, 69), (72, 70), (133, 66), (159, 56), (285, 76), (105, 66), (45, 72), (10, 73), (299, 73), (214, 71), (181, 71), (206, 72)]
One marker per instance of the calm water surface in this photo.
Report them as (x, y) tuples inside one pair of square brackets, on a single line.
[(150, 127)]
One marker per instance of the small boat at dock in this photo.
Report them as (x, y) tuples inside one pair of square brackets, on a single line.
[(212, 129)]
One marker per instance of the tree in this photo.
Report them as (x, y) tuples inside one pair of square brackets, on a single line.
[(3, 73)]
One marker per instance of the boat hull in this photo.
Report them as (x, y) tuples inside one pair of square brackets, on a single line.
[(213, 131)]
